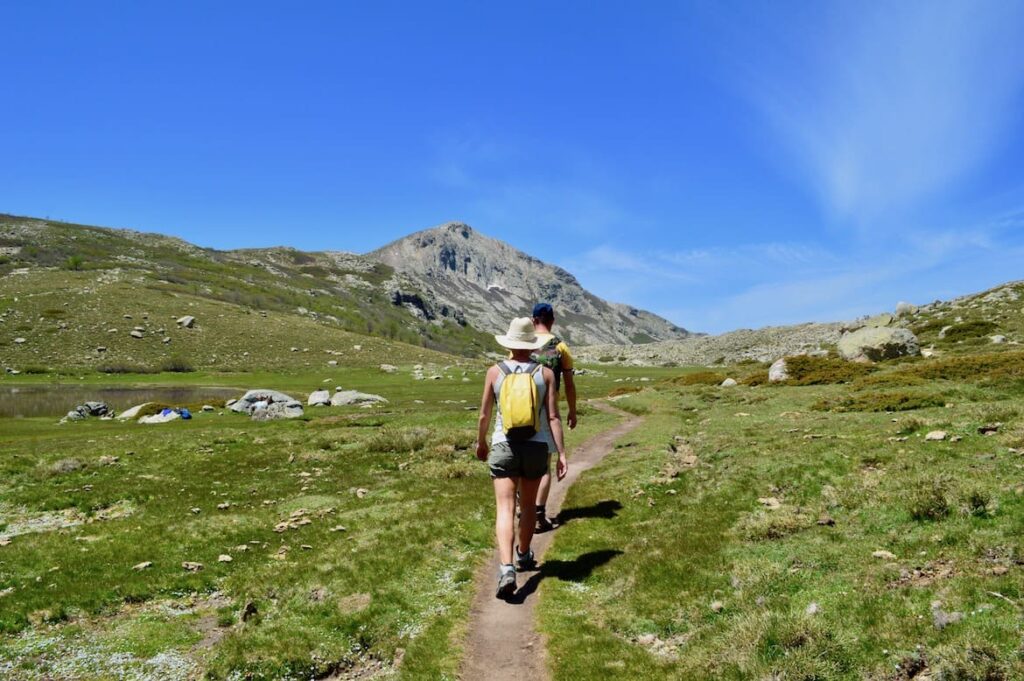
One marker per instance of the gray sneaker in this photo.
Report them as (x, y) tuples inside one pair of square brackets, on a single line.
[(525, 561), (506, 583)]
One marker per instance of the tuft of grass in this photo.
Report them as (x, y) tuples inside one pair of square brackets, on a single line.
[(764, 525), (697, 378), (177, 365), (928, 500)]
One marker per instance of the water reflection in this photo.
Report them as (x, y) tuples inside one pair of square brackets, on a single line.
[(57, 400)]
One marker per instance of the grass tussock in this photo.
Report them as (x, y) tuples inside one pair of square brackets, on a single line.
[(877, 402), (768, 525), (929, 500), (624, 390)]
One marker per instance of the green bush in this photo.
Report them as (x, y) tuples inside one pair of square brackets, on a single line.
[(123, 368), (176, 365), (696, 378), (885, 401), (807, 370), (73, 262)]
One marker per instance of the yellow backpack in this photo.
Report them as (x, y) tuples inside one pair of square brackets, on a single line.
[(518, 401)]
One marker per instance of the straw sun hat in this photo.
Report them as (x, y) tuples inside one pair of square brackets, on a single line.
[(520, 336)]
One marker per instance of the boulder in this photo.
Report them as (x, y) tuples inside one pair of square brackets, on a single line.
[(277, 410), (777, 371), (873, 343), (347, 397), (319, 398), (165, 416), (728, 383), (884, 319), (132, 412), (260, 397), (95, 408), (186, 322)]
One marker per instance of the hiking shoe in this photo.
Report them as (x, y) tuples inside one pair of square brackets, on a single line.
[(525, 561), (543, 524), (506, 583)]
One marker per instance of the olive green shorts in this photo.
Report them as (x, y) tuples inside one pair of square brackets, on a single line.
[(529, 460)]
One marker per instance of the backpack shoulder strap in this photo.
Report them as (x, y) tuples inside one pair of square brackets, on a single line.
[(503, 368), (534, 367)]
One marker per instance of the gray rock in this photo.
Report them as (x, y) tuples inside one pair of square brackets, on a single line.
[(884, 319), (388, 368), (998, 339), (777, 371), (262, 397), (19, 340), (936, 436), (135, 333), (347, 397), (186, 322), (74, 416), (873, 343), (278, 410), (943, 330), (729, 382), (319, 398), (96, 408)]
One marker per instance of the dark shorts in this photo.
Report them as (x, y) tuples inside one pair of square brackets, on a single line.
[(529, 460)]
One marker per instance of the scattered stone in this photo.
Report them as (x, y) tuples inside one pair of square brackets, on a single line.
[(224, 558), (360, 493), (196, 509), (989, 428), (186, 322), (262, 399), (224, 506), (388, 368), (339, 528), (190, 566), (107, 460), (165, 339), (19, 340), (135, 333), (349, 397), (717, 606), (872, 343), (145, 565), (208, 407), (998, 339), (102, 348), (944, 330), (771, 503), (826, 521), (884, 555), (936, 436), (728, 383), (332, 363), (319, 398), (777, 371), (813, 609)]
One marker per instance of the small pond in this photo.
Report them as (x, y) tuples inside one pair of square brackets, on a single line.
[(57, 400)]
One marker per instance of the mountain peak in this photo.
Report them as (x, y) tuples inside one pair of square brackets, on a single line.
[(487, 282)]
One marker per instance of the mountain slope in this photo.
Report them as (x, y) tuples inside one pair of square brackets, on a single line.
[(487, 282)]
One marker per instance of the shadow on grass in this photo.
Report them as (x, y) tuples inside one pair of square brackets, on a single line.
[(566, 570), (602, 509)]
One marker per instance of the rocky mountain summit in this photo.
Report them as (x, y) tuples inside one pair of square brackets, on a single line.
[(485, 282)]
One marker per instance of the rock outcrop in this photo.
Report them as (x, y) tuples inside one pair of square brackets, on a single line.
[(874, 343)]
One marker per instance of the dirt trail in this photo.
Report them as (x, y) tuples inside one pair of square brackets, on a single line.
[(503, 642)]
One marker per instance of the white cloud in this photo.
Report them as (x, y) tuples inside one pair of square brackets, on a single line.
[(885, 105)]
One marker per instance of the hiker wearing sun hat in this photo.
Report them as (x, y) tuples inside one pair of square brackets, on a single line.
[(518, 453)]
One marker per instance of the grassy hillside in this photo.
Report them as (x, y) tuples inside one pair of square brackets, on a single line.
[(63, 287)]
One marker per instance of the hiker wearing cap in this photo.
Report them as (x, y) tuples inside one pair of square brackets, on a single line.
[(519, 452), (554, 354)]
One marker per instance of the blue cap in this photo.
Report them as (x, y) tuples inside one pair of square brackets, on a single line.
[(542, 310)]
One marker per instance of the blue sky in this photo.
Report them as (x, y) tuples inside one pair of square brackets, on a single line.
[(723, 164)]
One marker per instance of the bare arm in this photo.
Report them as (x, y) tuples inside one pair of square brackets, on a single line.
[(486, 407), (555, 422), (570, 397)]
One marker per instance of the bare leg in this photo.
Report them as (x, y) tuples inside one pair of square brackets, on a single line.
[(505, 498), (528, 520), (543, 489)]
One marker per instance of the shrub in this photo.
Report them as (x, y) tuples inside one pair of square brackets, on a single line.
[(807, 370), (885, 401), (928, 501), (764, 525), (624, 390), (696, 378), (970, 331), (73, 262), (978, 503), (994, 366)]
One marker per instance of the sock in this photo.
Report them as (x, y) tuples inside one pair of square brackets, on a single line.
[(506, 568), (522, 554)]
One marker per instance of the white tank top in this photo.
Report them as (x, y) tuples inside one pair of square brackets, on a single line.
[(543, 433)]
